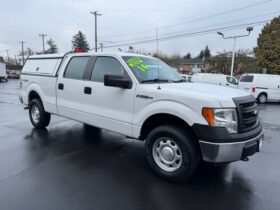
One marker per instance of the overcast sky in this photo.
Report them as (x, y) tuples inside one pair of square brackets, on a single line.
[(128, 21)]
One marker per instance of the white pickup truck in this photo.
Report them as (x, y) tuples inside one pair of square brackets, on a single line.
[(143, 98)]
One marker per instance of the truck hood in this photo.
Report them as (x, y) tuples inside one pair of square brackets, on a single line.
[(206, 92)]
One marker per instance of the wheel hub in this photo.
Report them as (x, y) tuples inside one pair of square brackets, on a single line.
[(167, 154), (35, 113)]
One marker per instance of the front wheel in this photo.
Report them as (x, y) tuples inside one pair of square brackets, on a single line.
[(38, 117), (172, 153)]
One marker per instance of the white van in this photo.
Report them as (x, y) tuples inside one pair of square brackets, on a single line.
[(264, 87), (215, 79), (3, 74)]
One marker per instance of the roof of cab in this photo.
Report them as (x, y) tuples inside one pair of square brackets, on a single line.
[(42, 56)]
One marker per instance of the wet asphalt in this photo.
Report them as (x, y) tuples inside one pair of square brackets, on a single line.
[(68, 166)]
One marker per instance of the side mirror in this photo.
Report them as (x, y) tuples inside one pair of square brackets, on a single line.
[(117, 81)]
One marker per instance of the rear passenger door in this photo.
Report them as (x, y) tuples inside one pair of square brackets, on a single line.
[(70, 88)]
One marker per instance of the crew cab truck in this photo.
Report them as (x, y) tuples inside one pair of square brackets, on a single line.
[(141, 97)]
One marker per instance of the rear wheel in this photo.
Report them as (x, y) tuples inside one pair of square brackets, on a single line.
[(38, 117), (172, 153), (262, 98)]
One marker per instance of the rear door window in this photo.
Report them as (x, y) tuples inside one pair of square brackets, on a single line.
[(76, 67), (247, 78)]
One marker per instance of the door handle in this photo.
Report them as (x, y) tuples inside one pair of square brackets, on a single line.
[(87, 90), (60, 86)]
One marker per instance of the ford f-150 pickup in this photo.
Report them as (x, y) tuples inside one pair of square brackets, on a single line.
[(143, 98)]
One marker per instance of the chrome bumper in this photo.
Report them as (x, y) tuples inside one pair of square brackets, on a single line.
[(228, 152)]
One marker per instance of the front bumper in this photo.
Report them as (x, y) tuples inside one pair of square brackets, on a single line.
[(218, 146), (229, 152)]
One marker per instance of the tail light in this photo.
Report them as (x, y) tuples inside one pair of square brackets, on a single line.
[(253, 89)]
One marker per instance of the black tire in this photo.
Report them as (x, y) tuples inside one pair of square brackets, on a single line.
[(43, 119), (188, 147), (262, 98)]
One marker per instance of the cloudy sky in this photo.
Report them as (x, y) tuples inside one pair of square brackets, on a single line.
[(190, 24)]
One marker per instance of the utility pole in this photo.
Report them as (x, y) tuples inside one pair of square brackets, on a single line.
[(8, 60), (95, 17), (22, 51), (101, 46), (249, 29), (43, 39)]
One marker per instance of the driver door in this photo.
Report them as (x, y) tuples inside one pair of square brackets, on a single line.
[(109, 107)]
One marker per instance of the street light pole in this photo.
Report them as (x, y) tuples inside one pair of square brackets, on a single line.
[(233, 56), (249, 29)]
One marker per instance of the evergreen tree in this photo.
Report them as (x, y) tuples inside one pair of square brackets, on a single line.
[(188, 56), (201, 54), (52, 47), (207, 53), (79, 41), (267, 51)]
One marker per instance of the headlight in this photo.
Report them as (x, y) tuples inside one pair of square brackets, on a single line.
[(221, 118)]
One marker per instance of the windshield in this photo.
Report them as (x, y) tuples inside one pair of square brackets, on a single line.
[(148, 69)]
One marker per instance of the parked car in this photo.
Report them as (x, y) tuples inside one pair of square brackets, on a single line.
[(186, 77), (13, 75), (3, 74), (215, 79), (264, 87), (143, 98)]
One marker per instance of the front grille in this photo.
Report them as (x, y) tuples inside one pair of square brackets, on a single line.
[(247, 113)]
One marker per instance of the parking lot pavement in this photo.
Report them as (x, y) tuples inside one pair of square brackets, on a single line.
[(70, 167)]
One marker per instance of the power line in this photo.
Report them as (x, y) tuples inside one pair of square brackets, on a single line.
[(197, 28), (195, 20), (178, 36)]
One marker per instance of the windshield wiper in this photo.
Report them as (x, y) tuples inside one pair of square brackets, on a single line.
[(155, 80)]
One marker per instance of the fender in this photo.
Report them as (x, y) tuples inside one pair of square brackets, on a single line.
[(166, 107), (48, 97), (35, 87)]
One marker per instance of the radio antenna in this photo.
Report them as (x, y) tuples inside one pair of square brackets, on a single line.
[(157, 60)]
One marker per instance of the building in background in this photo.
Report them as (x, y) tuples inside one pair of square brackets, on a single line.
[(191, 65)]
